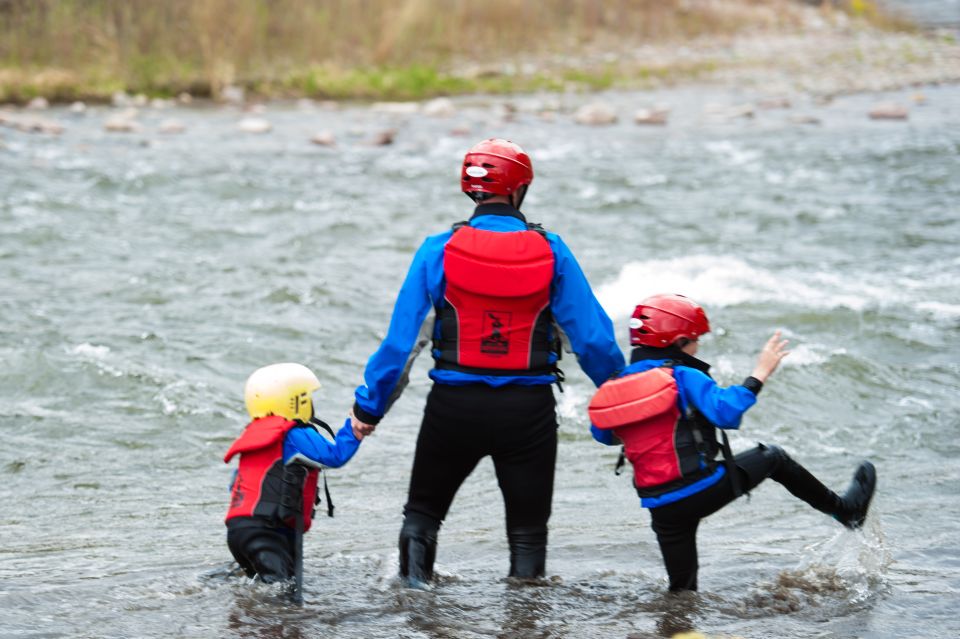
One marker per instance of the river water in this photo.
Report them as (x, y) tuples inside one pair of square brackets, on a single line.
[(145, 276)]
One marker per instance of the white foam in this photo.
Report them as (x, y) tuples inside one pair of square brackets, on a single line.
[(572, 404), (711, 281), (90, 350), (941, 310)]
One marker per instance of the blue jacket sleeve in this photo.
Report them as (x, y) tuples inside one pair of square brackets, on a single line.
[(308, 447), (581, 317), (387, 369), (722, 406), (604, 435)]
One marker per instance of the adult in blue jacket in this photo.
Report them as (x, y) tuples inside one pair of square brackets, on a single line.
[(672, 444), (501, 291)]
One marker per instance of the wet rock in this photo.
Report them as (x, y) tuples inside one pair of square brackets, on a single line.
[(805, 119), (656, 116), (306, 104), (172, 127), (439, 108), (78, 108), (184, 98), (384, 138), (160, 103), (139, 100), (461, 131), (740, 111), (258, 108), (329, 105), (30, 124), (547, 116), (38, 104), (774, 103), (324, 138), (254, 125), (919, 99), (121, 100), (888, 111), (122, 123), (595, 114), (396, 108), (232, 94)]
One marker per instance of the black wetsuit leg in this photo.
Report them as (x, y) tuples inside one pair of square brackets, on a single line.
[(676, 524), (517, 426), (260, 549), (525, 456)]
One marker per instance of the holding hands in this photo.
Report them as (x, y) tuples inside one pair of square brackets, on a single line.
[(360, 429), (770, 356)]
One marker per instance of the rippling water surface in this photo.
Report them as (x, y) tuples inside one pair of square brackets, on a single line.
[(144, 276)]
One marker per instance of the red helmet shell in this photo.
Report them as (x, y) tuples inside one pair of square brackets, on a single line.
[(495, 166), (660, 320)]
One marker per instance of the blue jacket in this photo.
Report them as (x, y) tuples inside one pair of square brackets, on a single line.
[(308, 447), (572, 303), (723, 407)]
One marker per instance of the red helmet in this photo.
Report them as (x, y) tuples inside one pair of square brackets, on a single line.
[(660, 320), (495, 167)]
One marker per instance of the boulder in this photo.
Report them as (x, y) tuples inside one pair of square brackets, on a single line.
[(774, 103), (888, 111), (384, 138), (38, 104), (255, 125), (439, 108), (184, 98), (121, 123), (120, 100), (78, 108), (232, 94), (396, 108), (655, 116), (171, 127), (595, 114), (324, 138), (740, 111)]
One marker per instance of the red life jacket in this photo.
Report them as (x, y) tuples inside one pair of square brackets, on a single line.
[(258, 486), (667, 448), (496, 317)]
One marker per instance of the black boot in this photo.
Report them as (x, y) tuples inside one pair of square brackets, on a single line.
[(418, 548), (528, 552), (856, 501)]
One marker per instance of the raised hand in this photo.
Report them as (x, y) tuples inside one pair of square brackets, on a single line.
[(771, 354)]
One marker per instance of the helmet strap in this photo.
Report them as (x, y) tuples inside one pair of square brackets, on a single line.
[(518, 196), (478, 196)]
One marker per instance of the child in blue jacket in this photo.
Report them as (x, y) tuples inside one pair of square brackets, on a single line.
[(666, 411)]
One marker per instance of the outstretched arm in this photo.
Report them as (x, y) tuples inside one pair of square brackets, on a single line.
[(308, 447)]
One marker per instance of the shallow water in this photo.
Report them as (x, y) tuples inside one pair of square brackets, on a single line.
[(144, 276)]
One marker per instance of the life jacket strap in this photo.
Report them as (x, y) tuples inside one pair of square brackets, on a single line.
[(326, 489), (621, 461)]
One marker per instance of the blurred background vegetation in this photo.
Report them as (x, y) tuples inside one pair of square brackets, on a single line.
[(88, 49)]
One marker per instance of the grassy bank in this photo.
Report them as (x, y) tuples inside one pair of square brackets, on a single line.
[(371, 49)]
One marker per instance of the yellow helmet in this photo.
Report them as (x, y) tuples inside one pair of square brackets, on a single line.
[(281, 389)]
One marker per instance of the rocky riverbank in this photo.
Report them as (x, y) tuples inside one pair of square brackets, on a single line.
[(782, 47)]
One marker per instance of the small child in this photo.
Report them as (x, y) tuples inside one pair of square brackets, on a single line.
[(281, 454), (665, 410)]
